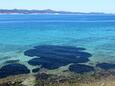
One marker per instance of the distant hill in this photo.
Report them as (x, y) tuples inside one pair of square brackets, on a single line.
[(46, 11)]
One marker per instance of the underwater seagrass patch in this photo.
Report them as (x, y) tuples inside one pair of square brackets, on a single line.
[(54, 56), (13, 69), (35, 70), (80, 68), (12, 61), (106, 66)]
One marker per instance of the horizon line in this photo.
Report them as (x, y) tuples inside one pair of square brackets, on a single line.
[(57, 10)]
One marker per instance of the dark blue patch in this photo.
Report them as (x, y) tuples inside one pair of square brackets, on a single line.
[(13, 69), (46, 63), (12, 61), (79, 68), (35, 70), (57, 47), (106, 66), (53, 56)]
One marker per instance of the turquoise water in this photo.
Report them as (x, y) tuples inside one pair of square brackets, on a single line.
[(96, 33)]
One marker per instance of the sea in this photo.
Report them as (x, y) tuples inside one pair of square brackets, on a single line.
[(20, 33)]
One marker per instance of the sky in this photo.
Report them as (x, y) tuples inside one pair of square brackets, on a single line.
[(106, 6)]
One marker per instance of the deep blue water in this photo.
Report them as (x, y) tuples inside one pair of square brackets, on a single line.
[(95, 33)]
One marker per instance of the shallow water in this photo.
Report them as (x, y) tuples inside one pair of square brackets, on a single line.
[(95, 33)]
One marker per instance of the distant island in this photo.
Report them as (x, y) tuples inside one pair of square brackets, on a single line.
[(46, 11)]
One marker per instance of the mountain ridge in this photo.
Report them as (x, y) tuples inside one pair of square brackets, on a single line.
[(45, 11)]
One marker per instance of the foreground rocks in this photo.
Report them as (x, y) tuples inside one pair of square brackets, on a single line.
[(43, 79)]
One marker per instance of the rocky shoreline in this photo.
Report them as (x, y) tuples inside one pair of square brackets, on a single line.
[(44, 79)]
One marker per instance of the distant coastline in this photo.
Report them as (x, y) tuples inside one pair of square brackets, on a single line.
[(46, 11)]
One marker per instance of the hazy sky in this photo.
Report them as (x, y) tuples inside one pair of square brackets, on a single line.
[(107, 6)]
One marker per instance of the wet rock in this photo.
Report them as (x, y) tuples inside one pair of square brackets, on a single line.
[(44, 79), (4, 84), (12, 83), (42, 76)]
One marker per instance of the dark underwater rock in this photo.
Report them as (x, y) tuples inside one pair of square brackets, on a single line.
[(106, 66), (12, 61), (13, 69), (42, 76), (12, 83), (53, 50), (54, 56), (46, 63), (35, 70), (80, 68)]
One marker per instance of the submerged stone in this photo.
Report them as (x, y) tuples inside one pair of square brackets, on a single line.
[(35, 70), (45, 63), (12, 61), (54, 56), (80, 68), (13, 69), (42, 76), (106, 66)]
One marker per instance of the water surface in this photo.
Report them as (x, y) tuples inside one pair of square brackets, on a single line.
[(19, 33)]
